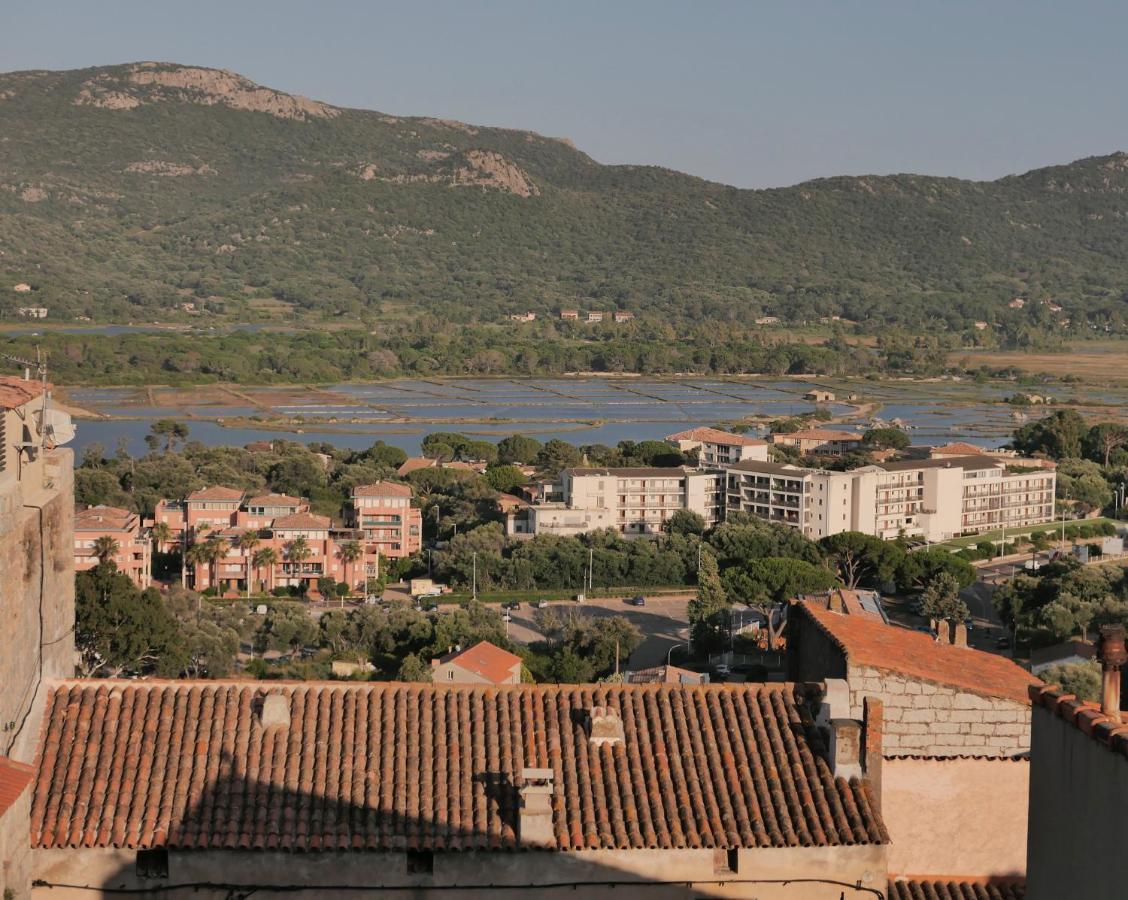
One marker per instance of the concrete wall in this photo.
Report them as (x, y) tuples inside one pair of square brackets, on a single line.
[(964, 816), (1078, 814), (485, 876), (36, 594), (15, 852), (934, 720)]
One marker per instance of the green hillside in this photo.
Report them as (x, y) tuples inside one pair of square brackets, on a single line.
[(129, 191)]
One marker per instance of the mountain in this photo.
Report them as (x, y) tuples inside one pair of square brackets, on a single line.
[(129, 191)]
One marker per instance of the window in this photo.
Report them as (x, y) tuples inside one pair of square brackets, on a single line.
[(724, 861), (450, 674), (152, 863), (420, 862)]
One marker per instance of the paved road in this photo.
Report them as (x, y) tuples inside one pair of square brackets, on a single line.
[(663, 623)]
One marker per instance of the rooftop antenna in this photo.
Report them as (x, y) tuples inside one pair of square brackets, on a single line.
[(39, 364)]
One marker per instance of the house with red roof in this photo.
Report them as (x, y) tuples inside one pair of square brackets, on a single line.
[(719, 448), (484, 663)]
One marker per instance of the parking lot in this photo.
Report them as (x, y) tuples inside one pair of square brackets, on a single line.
[(662, 621)]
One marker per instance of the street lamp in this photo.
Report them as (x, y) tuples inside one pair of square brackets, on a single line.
[(670, 652)]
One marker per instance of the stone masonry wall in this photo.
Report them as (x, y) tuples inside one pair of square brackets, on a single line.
[(926, 719)]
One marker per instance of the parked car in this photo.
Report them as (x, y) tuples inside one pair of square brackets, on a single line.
[(722, 669), (1002, 642), (637, 601), (513, 604), (542, 604)]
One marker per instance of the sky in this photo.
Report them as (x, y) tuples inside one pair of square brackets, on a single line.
[(753, 94)]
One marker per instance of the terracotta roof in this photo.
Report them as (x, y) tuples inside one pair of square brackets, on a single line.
[(507, 502), (15, 392), (301, 520), (716, 436), (414, 766), (414, 463), (1082, 715), (382, 489), (273, 499), (217, 493), (820, 434), (867, 641), (103, 518), (14, 778), (959, 448), (486, 660), (976, 889)]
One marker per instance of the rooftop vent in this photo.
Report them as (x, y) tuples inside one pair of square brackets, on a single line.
[(275, 711), (605, 726)]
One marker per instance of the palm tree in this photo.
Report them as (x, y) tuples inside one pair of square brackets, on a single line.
[(350, 552), (161, 534), (215, 548), (298, 551), (197, 555), (105, 547), (247, 541), (268, 557)]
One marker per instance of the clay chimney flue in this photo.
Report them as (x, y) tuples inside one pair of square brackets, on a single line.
[(1112, 654)]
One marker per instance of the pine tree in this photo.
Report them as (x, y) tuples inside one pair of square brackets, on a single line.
[(708, 611)]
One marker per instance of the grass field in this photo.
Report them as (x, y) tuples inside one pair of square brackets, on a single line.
[(1098, 361)]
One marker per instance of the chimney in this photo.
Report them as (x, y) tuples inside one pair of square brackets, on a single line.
[(604, 726), (275, 712), (943, 632), (872, 729), (834, 602), (1112, 654), (535, 824), (959, 638), (846, 748)]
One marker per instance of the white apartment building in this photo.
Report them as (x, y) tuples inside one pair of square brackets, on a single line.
[(934, 499), (633, 501), (719, 448)]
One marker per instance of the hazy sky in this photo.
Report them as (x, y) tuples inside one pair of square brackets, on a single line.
[(752, 94)]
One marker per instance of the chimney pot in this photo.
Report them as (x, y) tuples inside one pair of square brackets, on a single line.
[(605, 726), (959, 637), (846, 748), (943, 632), (535, 823), (275, 711), (1113, 654)]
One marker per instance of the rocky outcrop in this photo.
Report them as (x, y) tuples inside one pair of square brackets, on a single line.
[(489, 169), (190, 84), (168, 169)]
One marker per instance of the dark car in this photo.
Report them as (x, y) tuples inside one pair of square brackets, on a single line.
[(637, 601), (1002, 642), (513, 604)]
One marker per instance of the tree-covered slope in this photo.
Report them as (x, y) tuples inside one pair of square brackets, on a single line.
[(128, 191)]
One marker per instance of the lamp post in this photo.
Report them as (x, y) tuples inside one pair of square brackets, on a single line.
[(670, 652)]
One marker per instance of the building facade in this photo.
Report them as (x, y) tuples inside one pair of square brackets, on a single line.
[(636, 502), (484, 663), (934, 499), (716, 448), (818, 441), (392, 526), (126, 529)]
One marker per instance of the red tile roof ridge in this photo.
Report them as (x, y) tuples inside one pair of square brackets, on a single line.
[(1018, 757), (956, 887), (867, 641), (1084, 715), (15, 391), (715, 436)]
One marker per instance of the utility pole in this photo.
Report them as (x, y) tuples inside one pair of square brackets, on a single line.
[(474, 583), (591, 570), (616, 657)]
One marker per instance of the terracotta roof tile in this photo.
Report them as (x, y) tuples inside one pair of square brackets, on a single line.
[(217, 493), (942, 889), (414, 463), (820, 434), (486, 660), (959, 448), (275, 500), (103, 518), (410, 766), (302, 520), (1083, 715), (665, 675), (867, 641), (15, 392), (382, 489), (716, 436), (14, 778)]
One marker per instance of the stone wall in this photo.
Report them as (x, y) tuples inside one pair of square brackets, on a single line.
[(36, 595), (15, 851), (922, 718)]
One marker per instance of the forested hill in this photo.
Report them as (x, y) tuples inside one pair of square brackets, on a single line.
[(128, 191)]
